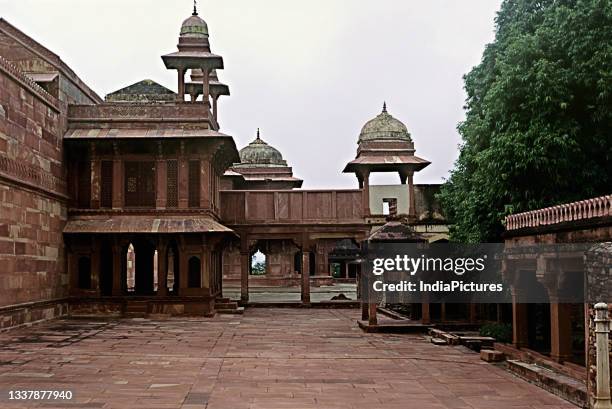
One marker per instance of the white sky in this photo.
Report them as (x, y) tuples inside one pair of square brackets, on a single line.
[(308, 73)]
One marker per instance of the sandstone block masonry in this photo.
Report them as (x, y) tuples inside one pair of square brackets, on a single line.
[(32, 202)]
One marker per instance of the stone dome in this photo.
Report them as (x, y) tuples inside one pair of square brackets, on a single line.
[(194, 26), (261, 154), (384, 127)]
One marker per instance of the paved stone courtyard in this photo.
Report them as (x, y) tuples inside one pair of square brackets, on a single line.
[(266, 359)]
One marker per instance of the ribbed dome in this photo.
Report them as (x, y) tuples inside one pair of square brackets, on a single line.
[(194, 26), (384, 127), (260, 153)]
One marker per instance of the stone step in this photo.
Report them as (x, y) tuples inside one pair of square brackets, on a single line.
[(136, 309), (225, 305), (450, 339), (438, 341), (570, 389), (491, 355), (237, 310)]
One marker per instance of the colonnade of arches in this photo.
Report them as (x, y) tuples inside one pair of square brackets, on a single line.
[(139, 261)]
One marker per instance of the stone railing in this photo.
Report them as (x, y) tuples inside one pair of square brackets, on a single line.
[(582, 210), (291, 206), (135, 112)]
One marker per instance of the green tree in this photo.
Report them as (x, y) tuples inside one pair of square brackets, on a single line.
[(258, 268), (538, 116)]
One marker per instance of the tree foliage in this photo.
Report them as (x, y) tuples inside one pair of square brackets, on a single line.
[(538, 116)]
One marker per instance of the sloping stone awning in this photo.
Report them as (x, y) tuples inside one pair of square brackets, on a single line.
[(144, 224), (386, 163), (118, 133)]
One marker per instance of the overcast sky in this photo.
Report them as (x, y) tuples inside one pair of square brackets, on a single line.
[(308, 73)]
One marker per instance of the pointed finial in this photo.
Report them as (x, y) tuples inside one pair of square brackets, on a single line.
[(258, 133), (384, 107), (195, 8)]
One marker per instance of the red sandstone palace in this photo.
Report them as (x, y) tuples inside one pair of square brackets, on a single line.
[(139, 203)]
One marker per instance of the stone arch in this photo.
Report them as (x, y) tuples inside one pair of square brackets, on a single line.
[(194, 272)]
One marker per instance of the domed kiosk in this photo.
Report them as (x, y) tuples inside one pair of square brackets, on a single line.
[(194, 54), (385, 145), (262, 167)]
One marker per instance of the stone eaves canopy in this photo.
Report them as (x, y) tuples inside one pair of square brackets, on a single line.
[(144, 224), (137, 133)]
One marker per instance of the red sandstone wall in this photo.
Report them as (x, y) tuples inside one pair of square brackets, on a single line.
[(32, 200)]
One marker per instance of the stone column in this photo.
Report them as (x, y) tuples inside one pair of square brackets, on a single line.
[(602, 329), (372, 319), (560, 329), (305, 290), (205, 190), (245, 264), (117, 284), (411, 197), (206, 86), (365, 176), (473, 312), (182, 273), (425, 313), (181, 85), (520, 335), (95, 266), (206, 269), (214, 100), (162, 269)]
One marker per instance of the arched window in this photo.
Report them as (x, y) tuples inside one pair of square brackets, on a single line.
[(84, 271), (194, 276), (258, 263)]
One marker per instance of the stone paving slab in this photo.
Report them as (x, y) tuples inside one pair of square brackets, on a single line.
[(265, 359)]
